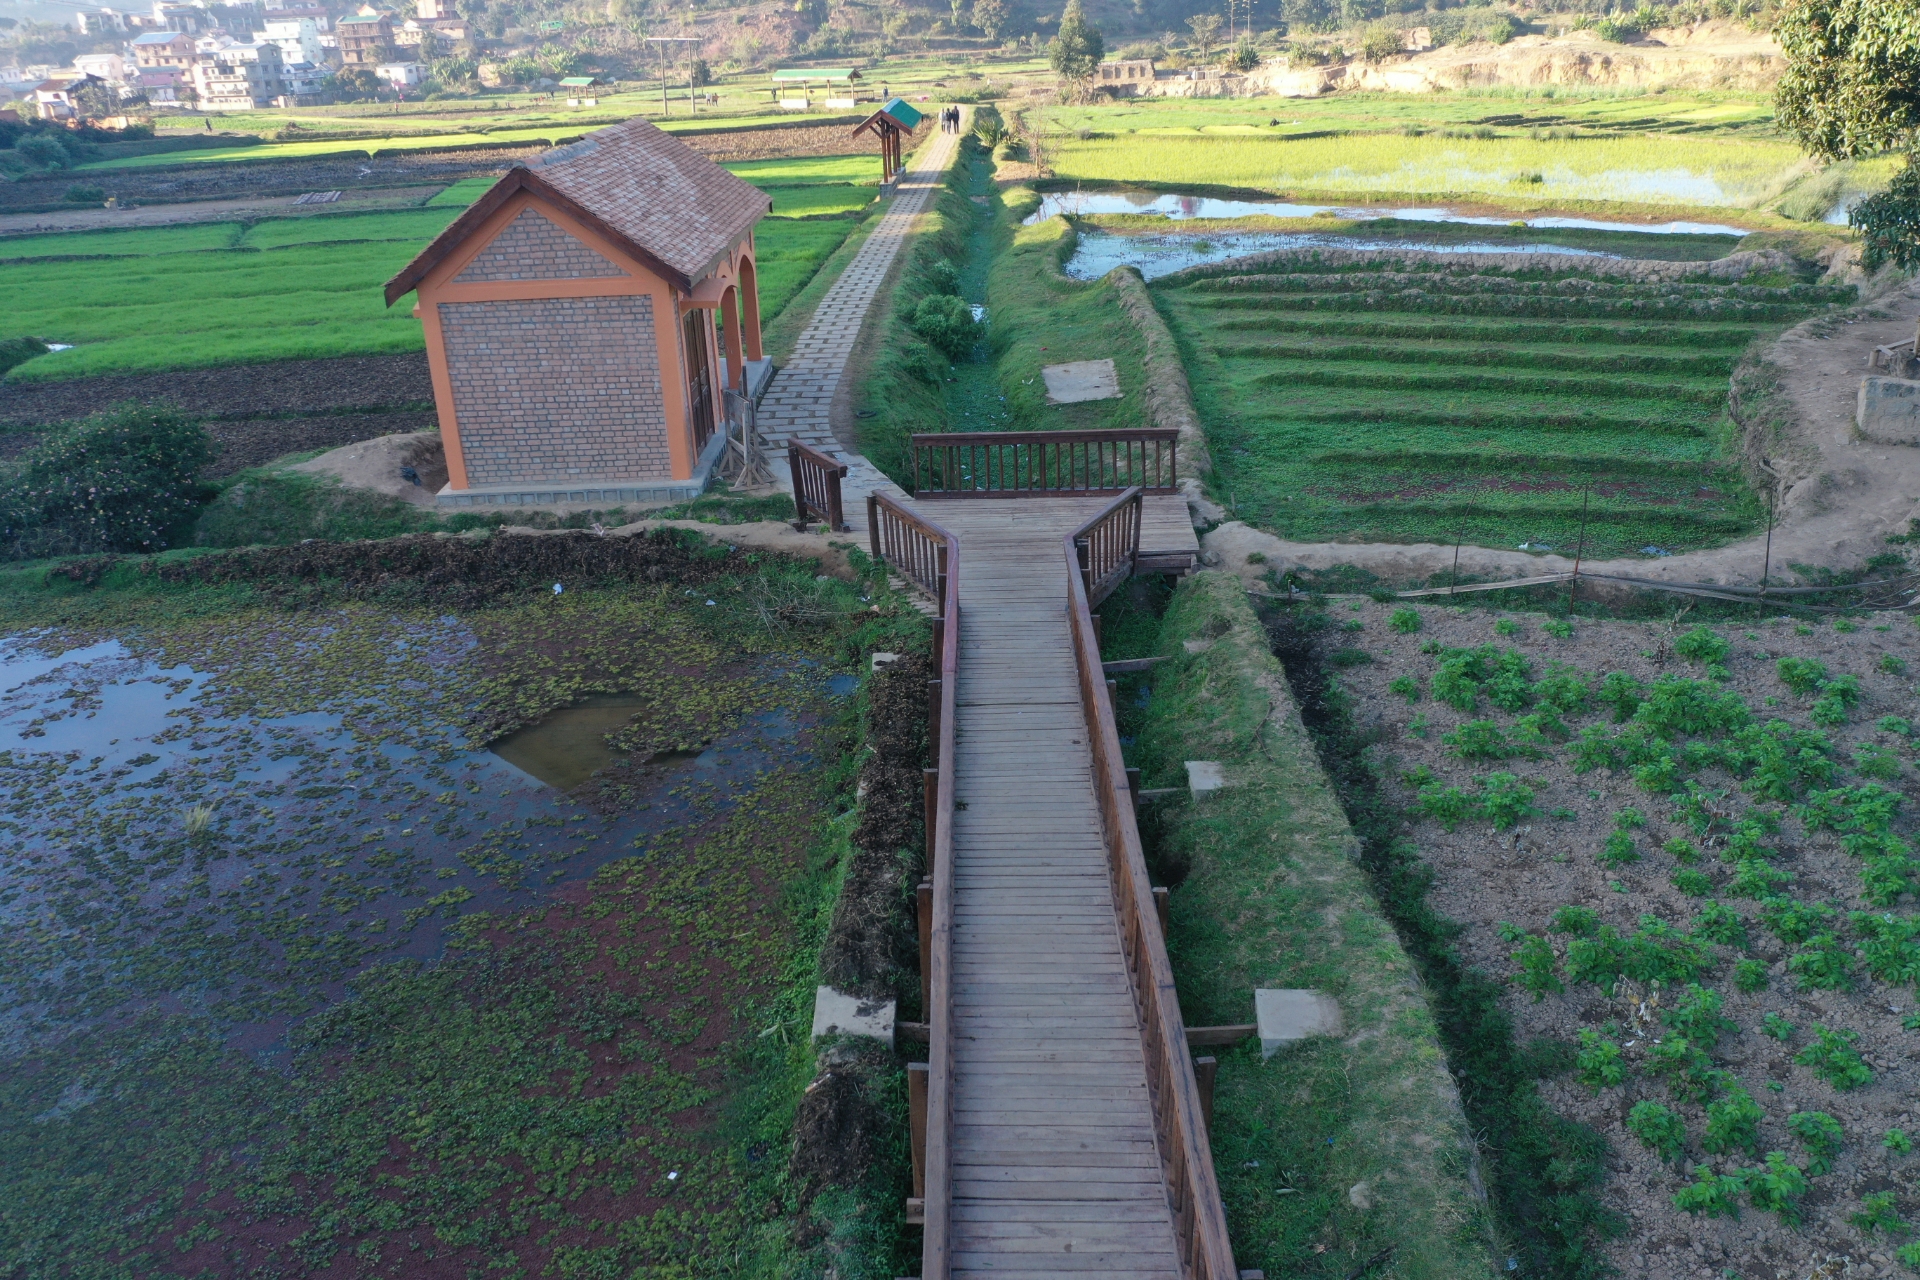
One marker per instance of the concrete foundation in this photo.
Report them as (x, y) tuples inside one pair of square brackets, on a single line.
[(1289, 1016), (1888, 410), (612, 493), (838, 1014), (1204, 777)]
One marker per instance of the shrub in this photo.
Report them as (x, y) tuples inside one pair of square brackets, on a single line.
[(1618, 851), (121, 480), (1733, 1122), (1776, 1187), (1833, 1058), (1599, 1064), (946, 322), (43, 149), (1715, 1194), (1695, 884), (1406, 621), (1659, 1129), (1750, 976), (1701, 645), (1822, 964), (1505, 800), (1821, 1135), (1479, 740), (1877, 1213), (1801, 675), (1537, 968)]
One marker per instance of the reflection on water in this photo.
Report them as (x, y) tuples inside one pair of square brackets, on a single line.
[(1184, 206), (1098, 253), (246, 867)]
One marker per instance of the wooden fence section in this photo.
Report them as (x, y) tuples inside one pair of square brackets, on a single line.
[(1107, 546), (1199, 1214), (929, 556), (1007, 464), (816, 487)]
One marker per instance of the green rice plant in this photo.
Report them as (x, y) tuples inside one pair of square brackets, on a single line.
[(1821, 1135), (1717, 1195), (1776, 1187), (1599, 1064), (1733, 1123), (1832, 1057), (1659, 1129)]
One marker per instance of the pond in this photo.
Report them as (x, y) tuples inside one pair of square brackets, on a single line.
[(1098, 252), (1178, 206), (168, 846)]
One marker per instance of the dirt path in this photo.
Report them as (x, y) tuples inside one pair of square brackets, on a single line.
[(1850, 495)]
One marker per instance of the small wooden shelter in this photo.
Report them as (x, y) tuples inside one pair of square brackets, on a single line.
[(570, 320), (891, 123)]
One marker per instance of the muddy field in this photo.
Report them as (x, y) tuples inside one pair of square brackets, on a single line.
[(255, 412), (1624, 768)]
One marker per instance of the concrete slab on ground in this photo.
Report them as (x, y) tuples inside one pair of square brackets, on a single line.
[(1079, 381), (1288, 1016)]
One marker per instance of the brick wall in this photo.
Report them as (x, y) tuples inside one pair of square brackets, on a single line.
[(557, 390), (532, 248)]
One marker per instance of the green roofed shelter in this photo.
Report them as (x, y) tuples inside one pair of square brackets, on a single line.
[(579, 82), (827, 75), (890, 124)]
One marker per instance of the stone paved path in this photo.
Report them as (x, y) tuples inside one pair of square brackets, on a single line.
[(799, 404)]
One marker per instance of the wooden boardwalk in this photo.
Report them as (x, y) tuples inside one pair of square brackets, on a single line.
[(1055, 1164)]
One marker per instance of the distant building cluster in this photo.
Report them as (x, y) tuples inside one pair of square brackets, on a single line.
[(236, 56)]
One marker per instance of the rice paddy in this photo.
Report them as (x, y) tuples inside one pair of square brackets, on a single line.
[(213, 294), (1416, 402)]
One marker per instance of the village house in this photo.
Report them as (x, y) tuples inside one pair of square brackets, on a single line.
[(164, 49), (365, 39), (571, 316), (1125, 71), (241, 77)]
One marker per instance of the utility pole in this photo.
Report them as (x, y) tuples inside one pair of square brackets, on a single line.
[(661, 43)]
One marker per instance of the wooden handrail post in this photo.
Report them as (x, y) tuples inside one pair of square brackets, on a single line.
[(873, 527), (1204, 1070), (1160, 907), (917, 1124), (799, 485), (930, 779), (933, 717), (923, 912)]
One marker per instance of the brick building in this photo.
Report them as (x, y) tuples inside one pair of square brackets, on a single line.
[(365, 40), (570, 320)]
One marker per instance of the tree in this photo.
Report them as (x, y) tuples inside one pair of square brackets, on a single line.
[(1078, 48), (1889, 223), (992, 17), (356, 82), (1244, 57), (1380, 44), (1852, 85), (1204, 26)]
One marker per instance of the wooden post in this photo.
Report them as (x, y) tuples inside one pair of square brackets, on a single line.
[(799, 488), (923, 903), (873, 528), (917, 1124), (930, 787), (939, 638), (1096, 630), (1160, 904), (1203, 1072), (933, 717), (1133, 790)]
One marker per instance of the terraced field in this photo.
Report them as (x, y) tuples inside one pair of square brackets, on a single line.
[(1402, 402)]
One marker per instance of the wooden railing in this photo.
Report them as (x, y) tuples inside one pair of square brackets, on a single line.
[(1011, 464), (816, 487), (928, 556), (1200, 1220), (1107, 546)]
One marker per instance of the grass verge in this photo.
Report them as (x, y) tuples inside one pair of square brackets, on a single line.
[(1340, 1155)]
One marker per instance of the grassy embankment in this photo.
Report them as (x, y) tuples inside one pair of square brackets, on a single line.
[(1339, 1154), (298, 288), (599, 1083), (1403, 403)]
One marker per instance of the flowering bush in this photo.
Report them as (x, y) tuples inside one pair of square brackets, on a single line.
[(118, 481)]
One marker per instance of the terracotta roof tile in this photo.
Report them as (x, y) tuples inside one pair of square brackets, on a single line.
[(656, 191)]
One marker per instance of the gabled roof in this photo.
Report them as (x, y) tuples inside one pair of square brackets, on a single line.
[(362, 20), (648, 192), (159, 37)]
